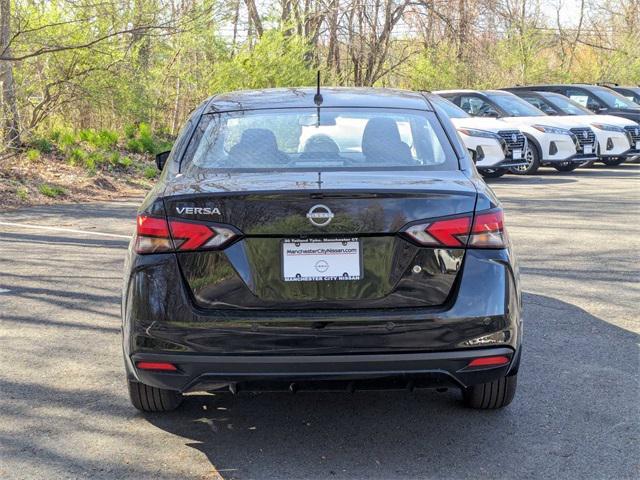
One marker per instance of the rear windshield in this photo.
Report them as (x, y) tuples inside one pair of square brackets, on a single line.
[(319, 139)]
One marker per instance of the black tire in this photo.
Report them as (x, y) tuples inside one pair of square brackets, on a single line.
[(489, 396), (152, 399), (532, 156), (613, 161), (493, 173), (566, 167)]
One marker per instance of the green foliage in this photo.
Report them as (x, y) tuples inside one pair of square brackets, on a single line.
[(66, 139), (76, 156), (52, 191), (42, 145), (276, 60), (150, 172), (130, 131), (22, 193), (135, 146), (146, 138), (33, 155)]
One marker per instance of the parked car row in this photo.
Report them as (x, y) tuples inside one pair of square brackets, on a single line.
[(520, 129)]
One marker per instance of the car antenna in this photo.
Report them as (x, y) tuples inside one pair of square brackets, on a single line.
[(317, 99)]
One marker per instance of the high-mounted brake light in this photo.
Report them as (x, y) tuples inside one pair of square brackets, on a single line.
[(487, 231), (155, 235)]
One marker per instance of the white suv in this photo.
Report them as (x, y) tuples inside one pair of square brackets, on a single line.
[(551, 140), (494, 145)]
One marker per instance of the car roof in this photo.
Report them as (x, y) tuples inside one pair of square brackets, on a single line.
[(303, 97), (477, 92)]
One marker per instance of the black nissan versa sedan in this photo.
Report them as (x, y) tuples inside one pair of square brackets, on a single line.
[(334, 240)]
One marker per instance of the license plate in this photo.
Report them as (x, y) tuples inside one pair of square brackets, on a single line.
[(588, 149), (321, 260), (517, 154), (637, 145)]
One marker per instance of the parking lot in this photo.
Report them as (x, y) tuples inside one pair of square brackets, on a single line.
[(64, 411)]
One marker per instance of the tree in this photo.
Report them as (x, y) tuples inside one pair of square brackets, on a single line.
[(11, 123)]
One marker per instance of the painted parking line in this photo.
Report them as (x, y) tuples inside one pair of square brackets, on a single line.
[(61, 229)]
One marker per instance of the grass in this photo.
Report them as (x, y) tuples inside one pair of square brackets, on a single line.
[(33, 155), (22, 193), (51, 191)]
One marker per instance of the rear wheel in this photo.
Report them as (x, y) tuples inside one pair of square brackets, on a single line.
[(566, 167), (493, 172), (613, 161), (532, 159), (152, 399), (492, 395)]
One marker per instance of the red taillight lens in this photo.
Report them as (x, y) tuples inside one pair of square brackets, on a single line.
[(452, 232), (154, 235), (488, 230), (159, 366), (190, 236), (489, 361)]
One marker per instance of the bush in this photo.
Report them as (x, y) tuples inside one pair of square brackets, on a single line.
[(146, 138), (94, 160), (52, 191), (33, 155), (150, 172), (42, 145), (125, 162), (87, 135), (22, 193), (76, 156), (66, 139), (135, 146), (130, 131), (108, 139)]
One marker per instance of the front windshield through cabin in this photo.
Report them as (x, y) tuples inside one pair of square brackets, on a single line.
[(328, 138), (515, 106), (568, 106)]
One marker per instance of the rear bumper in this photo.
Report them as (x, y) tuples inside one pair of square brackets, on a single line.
[(419, 370), (240, 346)]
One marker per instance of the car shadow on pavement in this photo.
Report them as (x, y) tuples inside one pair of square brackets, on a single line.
[(575, 415)]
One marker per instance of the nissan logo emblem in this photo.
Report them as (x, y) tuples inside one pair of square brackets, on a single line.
[(320, 215), (514, 138), (585, 135)]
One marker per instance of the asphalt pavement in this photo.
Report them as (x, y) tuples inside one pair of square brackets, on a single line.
[(64, 411)]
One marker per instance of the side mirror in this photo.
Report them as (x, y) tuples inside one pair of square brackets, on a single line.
[(161, 159)]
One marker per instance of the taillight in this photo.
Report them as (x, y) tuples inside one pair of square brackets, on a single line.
[(487, 231), (152, 235), (155, 235), (189, 236), (452, 232)]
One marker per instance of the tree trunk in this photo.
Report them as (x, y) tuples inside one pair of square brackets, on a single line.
[(11, 121), (254, 16)]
